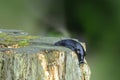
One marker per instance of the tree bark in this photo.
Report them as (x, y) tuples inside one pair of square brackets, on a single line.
[(25, 57)]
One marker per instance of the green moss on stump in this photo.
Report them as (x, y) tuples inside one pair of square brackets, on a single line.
[(15, 41)]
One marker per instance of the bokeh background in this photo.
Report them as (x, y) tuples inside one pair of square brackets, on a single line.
[(96, 22)]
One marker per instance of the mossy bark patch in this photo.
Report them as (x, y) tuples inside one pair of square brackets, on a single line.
[(14, 41)]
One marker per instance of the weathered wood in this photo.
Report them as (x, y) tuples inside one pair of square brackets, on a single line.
[(25, 57)]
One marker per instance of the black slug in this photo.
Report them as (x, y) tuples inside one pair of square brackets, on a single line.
[(74, 46)]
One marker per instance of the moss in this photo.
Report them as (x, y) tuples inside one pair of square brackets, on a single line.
[(2, 35), (10, 40), (23, 43)]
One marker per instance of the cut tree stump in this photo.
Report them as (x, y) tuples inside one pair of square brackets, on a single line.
[(25, 57)]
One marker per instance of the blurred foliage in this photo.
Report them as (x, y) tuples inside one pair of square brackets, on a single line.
[(95, 22)]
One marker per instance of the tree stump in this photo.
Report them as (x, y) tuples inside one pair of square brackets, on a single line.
[(25, 57)]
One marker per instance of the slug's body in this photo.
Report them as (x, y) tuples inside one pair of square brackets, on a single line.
[(73, 45)]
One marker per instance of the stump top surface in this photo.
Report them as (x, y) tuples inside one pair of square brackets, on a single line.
[(23, 42)]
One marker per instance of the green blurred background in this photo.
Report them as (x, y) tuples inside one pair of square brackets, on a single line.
[(96, 22)]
